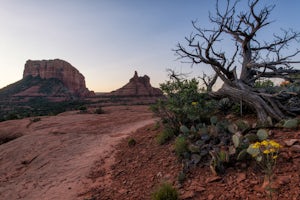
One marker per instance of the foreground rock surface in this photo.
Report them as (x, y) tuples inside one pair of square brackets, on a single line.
[(53, 158)]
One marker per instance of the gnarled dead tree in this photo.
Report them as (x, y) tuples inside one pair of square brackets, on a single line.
[(250, 60)]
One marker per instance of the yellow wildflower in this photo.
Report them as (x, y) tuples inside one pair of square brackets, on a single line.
[(256, 145), (274, 157), (272, 150), (194, 103), (267, 151), (275, 144), (265, 143)]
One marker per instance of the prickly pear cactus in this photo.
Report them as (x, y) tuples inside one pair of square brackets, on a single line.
[(262, 134)]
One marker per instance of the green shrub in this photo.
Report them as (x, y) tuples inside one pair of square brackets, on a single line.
[(263, 83), (82, 108), (36, 119), (224, 105), (12, 116), (165, 192), (156, 126), (164, 136), (131, 142), (184, 104), (180, 146), (181, 177), (99, 111)]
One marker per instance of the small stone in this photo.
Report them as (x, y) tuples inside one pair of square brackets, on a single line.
[(213, 179), (197, 187), (282, 180), (194, 148), (258, 188), (230, 180), (295, 148), (195, 158), (285, 155), (241, 177), (167, 176), (290, 142), (258, 194), (122, 191), (253, 182), (159, 175), (188, 195), (210, 197)]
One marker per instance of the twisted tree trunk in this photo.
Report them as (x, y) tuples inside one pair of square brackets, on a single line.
[(265, 105)]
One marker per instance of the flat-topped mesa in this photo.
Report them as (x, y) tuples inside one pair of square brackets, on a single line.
[(138, 86), (72, 79)]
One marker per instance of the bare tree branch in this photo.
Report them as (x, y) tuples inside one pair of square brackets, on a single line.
[(251, 57)]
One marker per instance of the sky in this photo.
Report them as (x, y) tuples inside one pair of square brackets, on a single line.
[(107, 40)]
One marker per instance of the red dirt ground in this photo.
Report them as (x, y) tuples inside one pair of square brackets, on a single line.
[(86, 157), (52, 158), (138, 170)]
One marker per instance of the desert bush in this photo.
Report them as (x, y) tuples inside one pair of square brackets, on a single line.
[(82, 108), (264, 83), (35, 119), (12, 116), (99, 111), (184, 104), (165, 192), (181, 177), (219, 144), (225, 105), (156, 126), (180, 146), (241, 109), (164, 136), (37, 106), (131, 142)]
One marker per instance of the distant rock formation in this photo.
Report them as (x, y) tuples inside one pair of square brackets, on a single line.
[(70, 77), (138, 86)]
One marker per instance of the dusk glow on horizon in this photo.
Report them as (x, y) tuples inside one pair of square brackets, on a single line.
[(107, 40)]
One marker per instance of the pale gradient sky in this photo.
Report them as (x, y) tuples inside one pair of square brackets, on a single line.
[(107, 40)]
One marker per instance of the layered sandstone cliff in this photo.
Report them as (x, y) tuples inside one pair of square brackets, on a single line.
[(138, 86), (71, 78)]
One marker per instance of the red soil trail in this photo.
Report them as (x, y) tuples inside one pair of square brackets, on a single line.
[(54, 157)]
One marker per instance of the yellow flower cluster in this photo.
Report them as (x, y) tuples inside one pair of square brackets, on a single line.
[(267, 147), (265, 153), (194, 103), (270, 145)]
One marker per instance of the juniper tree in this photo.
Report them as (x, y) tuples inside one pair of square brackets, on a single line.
[(251, 57)]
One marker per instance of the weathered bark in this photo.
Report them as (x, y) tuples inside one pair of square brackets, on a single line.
[(265, 106)]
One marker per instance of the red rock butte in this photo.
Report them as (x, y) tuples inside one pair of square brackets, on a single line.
[(138, 86), (61, 70)]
